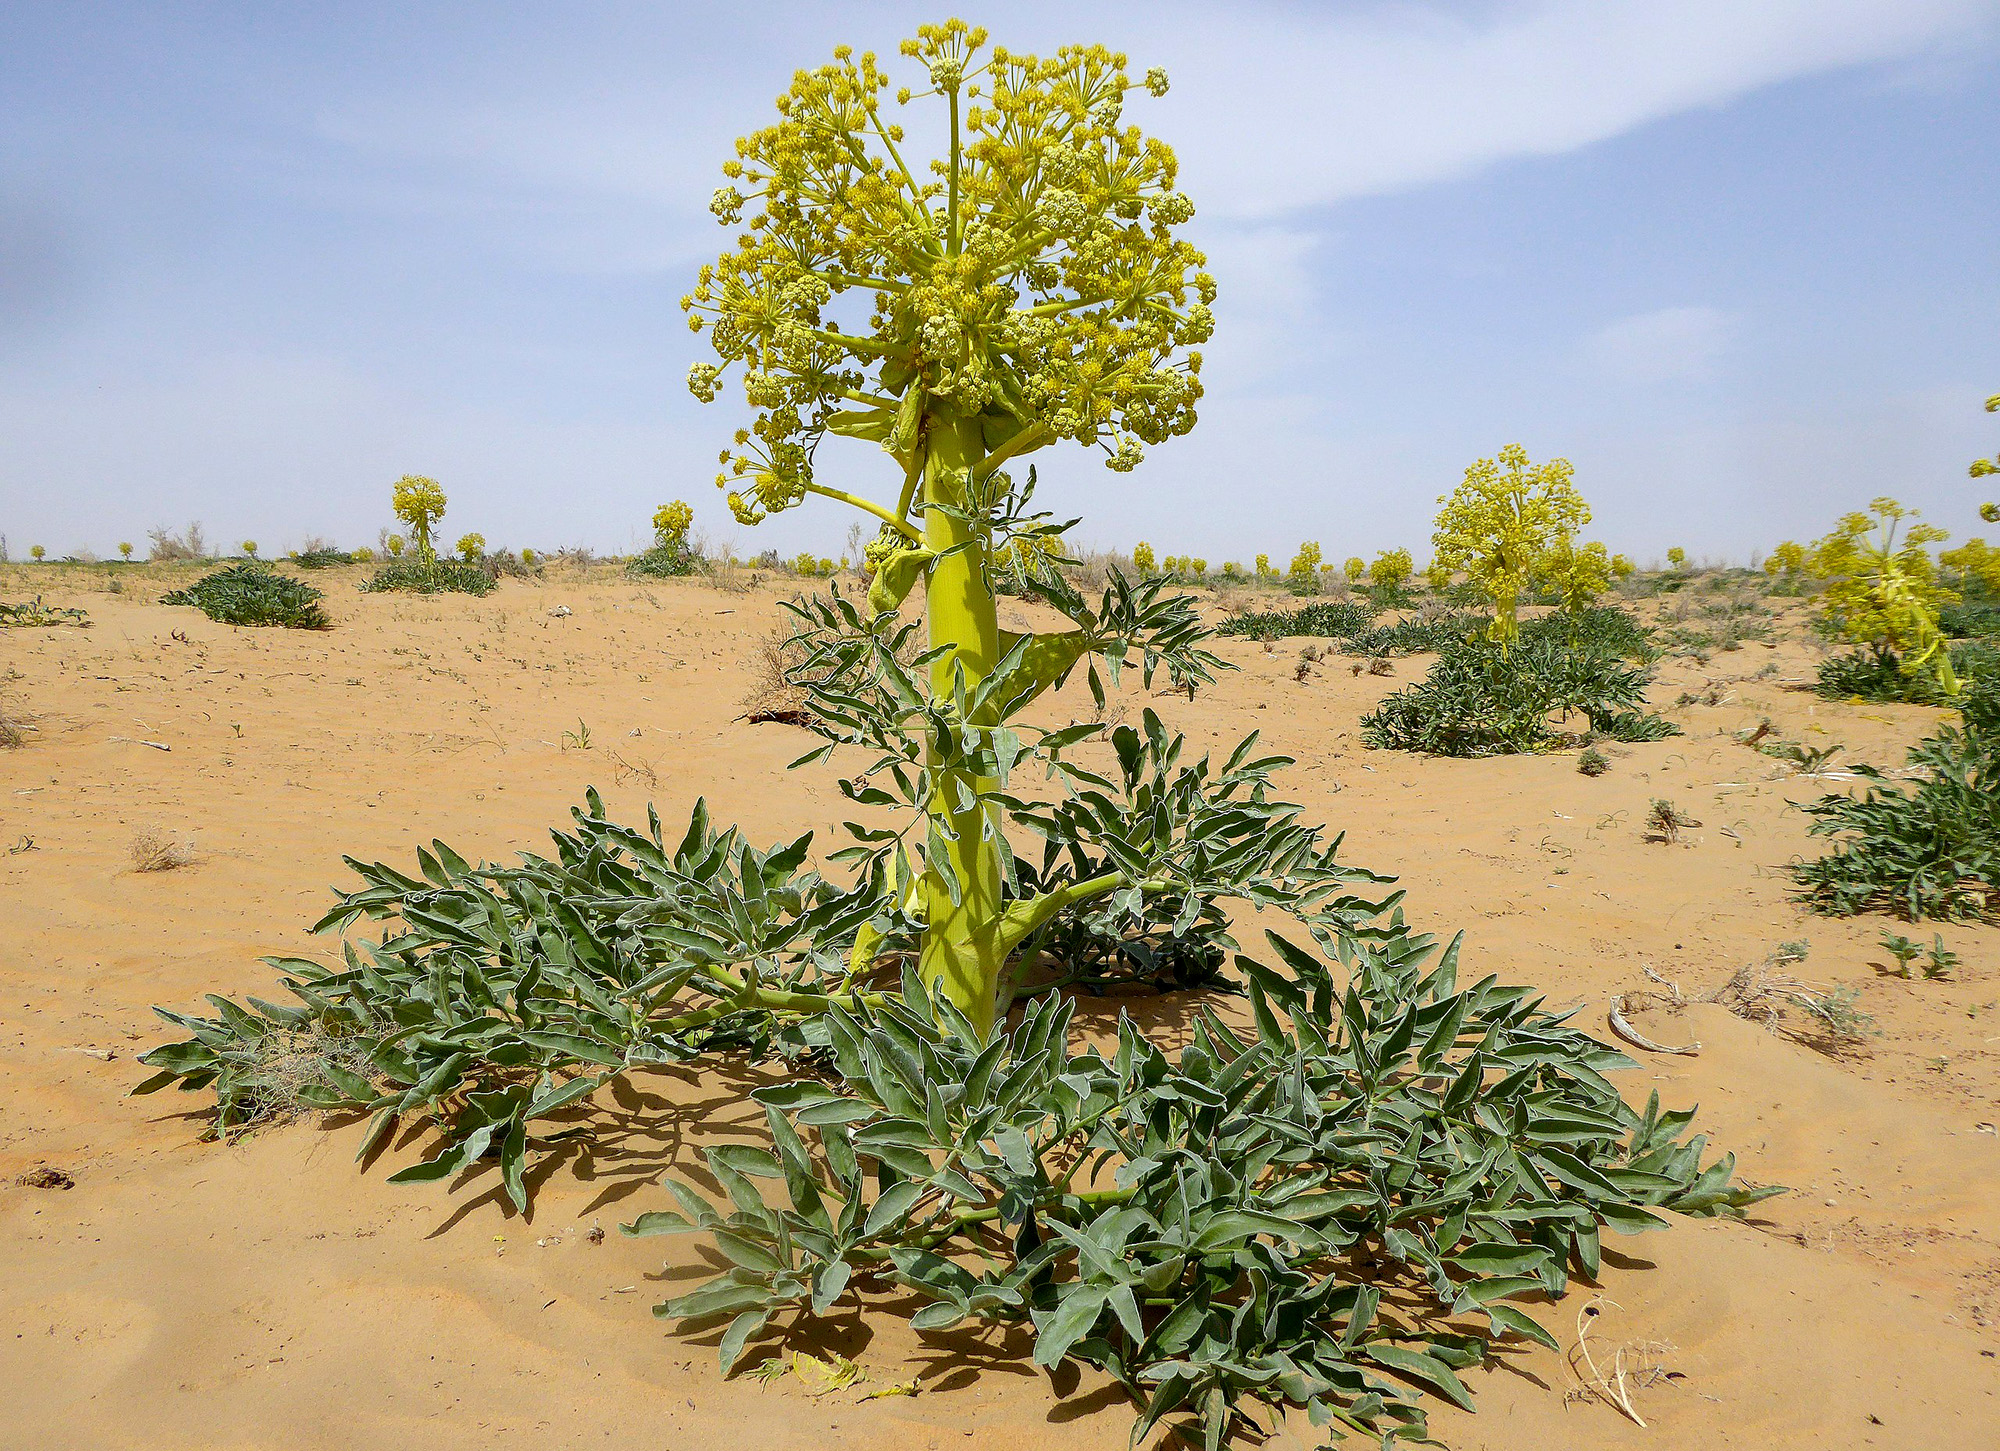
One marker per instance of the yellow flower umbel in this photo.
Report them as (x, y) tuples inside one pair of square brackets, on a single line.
[(1677, 559), (1356, 569), (1975, 560), (671, 523), (1505, 525), (1883, 592), (1143, 559), (419, 503), (1023, 288), (472, 547)]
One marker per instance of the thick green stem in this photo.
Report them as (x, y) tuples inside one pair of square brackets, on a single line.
[(963, 951)]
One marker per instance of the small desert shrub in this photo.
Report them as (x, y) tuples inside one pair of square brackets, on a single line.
[(1880, 675), (1593, 762), (1480, 701), (155, 851), (1765, 993), (252, 594), (1926, 848), (1327, 619), (664, 561), (170, 548), (1665, 822), (439, 576), (36, 615), (323, 558), (1604, 628)]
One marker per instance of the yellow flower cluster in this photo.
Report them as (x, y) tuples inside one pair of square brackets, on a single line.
[(419, 503), (1508, 525), (1787, 561), (471, 547), (1391, 568), (1029, 277), (1884, 592), (1142, 557), (1677, 558), (1304, 568), (815, 567), (671, 523), (1975, 559)]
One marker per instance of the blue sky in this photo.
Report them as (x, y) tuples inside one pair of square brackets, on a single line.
[(1735, 260)]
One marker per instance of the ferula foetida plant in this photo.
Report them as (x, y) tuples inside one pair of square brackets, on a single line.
[(671, 522), (1505, 525), (419, 503), (1883, 589), (472, 547), (1024, 287)]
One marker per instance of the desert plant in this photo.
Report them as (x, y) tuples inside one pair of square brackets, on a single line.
[(1479, 700), (1593, 762), (1883, 592), (1903, 950), (1303, 573), (1143, 558), (472, 547), (124, 551), (393, 545), (1677, 559), (1503, 527), (36, 615), (1665, 822), (1271, 1215), (155, 851), (440, 576), (168, 548), (325, 557), (1939, 961), (1387, 576), (419, 503), (1603, 628), (1335, 619), (1926, 847), (254, 594), (37, 553), (1356, 569), (249, 548)]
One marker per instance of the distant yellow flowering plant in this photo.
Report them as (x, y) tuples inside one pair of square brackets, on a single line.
[(1787, 560), (1622, 566), (1392, 569), (1143, 559), (419, 503), (1356, 569), (1677, 558), (1975, 559), (1304, 570), (471, 547), (671, 523), (1506, 525), (1883, 590)]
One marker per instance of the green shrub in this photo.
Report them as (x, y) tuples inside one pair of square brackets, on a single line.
[(1603, 628), (1480, 701), (1879, 675), (1415, 637), (1928, 847), (36, 615), (1327, 618), (323, 558), (438, 576), (664, 561), (254, 594)]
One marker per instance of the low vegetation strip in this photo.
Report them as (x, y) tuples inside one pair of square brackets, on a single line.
[(254, 594)]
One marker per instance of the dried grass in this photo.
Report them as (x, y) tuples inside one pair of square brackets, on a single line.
[(157, 851)]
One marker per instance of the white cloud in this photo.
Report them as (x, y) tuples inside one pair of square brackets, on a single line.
[(1293, 108), (1663, 346)]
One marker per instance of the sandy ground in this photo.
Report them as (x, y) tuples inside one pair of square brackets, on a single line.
[(266, 1294)]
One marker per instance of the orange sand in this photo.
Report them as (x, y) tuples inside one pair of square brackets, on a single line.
[(267, 1294)]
